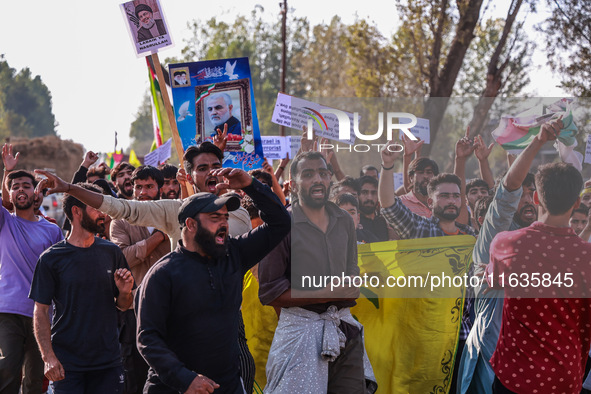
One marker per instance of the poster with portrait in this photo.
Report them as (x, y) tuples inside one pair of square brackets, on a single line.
[(218, 93), (147, 26)]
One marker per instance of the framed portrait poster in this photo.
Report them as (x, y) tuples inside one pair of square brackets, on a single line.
[(217, 94)]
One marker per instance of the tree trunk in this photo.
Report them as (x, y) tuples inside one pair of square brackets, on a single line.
[(494, 77), (442, 84)]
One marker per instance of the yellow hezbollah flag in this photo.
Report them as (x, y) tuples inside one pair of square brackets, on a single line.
[(260, 322), (133, 160), (411, 342)]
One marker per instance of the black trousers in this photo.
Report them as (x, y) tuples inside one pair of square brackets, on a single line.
[(498, 388)]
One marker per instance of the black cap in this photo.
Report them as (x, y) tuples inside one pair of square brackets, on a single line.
[(205, 202), (142, 7)]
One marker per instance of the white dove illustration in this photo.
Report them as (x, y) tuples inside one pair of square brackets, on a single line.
[(230, 70), (184, 111)]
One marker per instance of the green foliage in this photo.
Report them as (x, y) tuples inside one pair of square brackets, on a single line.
[(142, 131), (25, 104), (568, 43)]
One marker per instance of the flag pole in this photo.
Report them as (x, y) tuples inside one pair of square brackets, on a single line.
[(170, 114)]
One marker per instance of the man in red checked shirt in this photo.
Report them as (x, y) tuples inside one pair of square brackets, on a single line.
[(544, 342)]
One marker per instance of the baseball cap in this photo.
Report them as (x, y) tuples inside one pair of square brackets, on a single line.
[(206, 202)]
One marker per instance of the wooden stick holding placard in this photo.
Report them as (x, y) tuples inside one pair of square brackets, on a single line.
[(170, 114)]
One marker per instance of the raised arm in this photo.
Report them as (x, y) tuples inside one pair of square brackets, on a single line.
[(464, 149), (402, 220), (336, 167), (58, 185), (482, 152), (257, 243), (89, 159), (281, 169), (410, 148), (520, 167), (276, 186), (10, 162), (386, 192)]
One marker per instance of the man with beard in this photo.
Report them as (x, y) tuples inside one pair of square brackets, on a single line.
[(188, 305), (86, 279), (219, 109), (121, 175), (23, 237), (511, 209), (200, 162), (323, 242), (368, 204), (180, 78), (346, 185), (142, 247), (420, 171), (446, 202), (171, 188), (369, 170), (150, 27)]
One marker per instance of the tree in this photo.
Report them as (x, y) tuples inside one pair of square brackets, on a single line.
[(568, 43), (324, 64), (25, 104), (371, 61), (507, 63), (439, 61)]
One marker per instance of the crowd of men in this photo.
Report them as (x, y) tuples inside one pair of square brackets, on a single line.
[(144, 294)]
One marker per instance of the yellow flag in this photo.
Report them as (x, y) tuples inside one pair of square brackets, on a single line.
[(133, 160), (411, 342)]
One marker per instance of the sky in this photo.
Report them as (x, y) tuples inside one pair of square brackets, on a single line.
[(83, 53)]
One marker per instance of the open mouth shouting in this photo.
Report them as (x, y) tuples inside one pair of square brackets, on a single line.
[(210, 184), (221, 235), (22, 198), (318, 192), (528, 212), (171, 194)]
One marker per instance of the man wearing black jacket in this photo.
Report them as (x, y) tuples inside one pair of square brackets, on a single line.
[(188, 304)]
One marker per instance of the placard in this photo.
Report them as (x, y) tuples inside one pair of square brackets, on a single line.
[(275, 147), (218, 93), (296, 113), (588, 150), (146, 26), (158, 155), (421, 129)]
